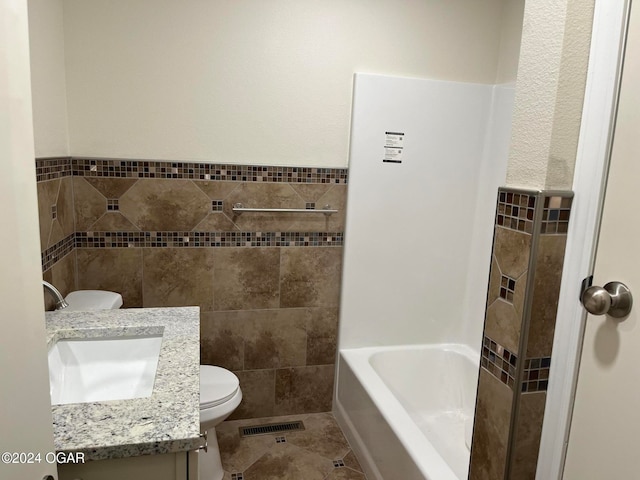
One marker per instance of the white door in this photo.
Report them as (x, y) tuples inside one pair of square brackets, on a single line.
[(25, 408), (604, 440)]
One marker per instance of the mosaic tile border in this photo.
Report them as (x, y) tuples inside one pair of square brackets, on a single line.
[(536, 374), (52, 168), (127, 168), (515, 211), (207, 239), (53, 254), (507, 288), (499, 362), (556, 215)]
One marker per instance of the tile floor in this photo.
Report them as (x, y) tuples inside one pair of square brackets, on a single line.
[(320, 452)]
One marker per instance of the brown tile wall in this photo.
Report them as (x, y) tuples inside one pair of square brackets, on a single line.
[(522, 299), (57, 224), (164, 234)]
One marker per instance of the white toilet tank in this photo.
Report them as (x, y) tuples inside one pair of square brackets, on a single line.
[(93, 300)]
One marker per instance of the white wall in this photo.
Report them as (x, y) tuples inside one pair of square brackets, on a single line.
[(253, 81), (46, 39), (25, 407), (418, 234), (491, 174)]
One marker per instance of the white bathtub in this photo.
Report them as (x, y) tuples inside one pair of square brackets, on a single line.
[(405, 409)]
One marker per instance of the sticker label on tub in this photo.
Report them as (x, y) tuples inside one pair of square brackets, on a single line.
[(393, 147)]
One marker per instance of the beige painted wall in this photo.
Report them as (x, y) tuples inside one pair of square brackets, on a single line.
[(46, 38), (256, 82), (25, 407), (549, 93), (510, 35)]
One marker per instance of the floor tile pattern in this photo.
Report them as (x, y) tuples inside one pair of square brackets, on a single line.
[(319, 452)]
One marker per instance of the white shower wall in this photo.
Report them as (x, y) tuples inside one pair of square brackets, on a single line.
[(418, 233)]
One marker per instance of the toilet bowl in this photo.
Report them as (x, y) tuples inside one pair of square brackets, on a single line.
[(220, 392), (220, 395)]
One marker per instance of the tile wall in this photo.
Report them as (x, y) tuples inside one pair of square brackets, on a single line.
[(164, 234), (57, 224), (526, 266)]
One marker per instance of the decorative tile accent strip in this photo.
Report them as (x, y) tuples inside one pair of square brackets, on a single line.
[(507, 288), (51, 255), (51, 168), (536, 374), (92, 167), (112, 204), (499, 361), (207, 239), (556, 213), (515, 211)]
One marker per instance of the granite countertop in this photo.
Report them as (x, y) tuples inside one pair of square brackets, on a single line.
[(167, 421)]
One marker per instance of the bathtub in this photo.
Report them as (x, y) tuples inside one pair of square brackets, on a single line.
[(408, 411)]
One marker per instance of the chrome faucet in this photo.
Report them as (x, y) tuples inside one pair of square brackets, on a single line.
[(60, 301)]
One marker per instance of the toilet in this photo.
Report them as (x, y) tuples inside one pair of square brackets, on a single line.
[(220, 392), (220, 395)]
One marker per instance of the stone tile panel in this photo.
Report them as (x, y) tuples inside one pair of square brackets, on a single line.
[(115, 269), (303, 389), (111, 187), (322, 336), (246, 278), (288, 461), (264, 195), (63, 276), (47, 197), (527, 436), (222, 339), (177, 277), (258, 394), (89, 204), (546, 293), (162, 205), (512, 250), (491, 429), (503, 325), (275, 338), (113, 222), (322, 436), (310, 277)]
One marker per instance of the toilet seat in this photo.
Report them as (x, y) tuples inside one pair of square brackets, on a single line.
[(217, 386)]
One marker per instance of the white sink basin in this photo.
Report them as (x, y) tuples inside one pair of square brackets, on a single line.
[(104, 368)]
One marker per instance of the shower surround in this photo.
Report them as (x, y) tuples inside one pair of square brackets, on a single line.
[(421, 287)]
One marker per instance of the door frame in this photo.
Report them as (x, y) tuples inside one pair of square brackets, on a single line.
[(589, 184)]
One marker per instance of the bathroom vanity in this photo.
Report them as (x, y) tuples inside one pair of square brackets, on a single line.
[(155, 436)]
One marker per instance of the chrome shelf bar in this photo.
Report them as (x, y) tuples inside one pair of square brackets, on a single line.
[(326, 210)]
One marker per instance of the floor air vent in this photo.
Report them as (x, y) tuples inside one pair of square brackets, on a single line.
[(268, 428)]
